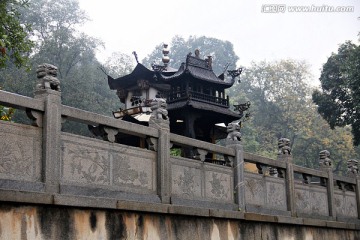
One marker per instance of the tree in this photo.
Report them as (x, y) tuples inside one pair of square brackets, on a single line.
[(54, 24), (339, 98), (58, 42), (277, 92), (281, 106), (222, 52), (14, 42), (119, 64)]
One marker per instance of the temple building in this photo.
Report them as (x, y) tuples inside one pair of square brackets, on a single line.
[(195, 96)]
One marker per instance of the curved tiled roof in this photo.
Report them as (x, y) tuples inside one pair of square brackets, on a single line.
[(139, 72), (195, 67), (198, 69)]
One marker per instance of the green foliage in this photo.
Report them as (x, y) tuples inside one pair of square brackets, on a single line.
[(14, 42), (6, 113), (176, 152), (282, 107), (339, 99), (221, 51), (58, 42)]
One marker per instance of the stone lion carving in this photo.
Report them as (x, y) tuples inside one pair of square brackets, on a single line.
[(352, 167), (158, 108), (325, 160), (284, 146), (47, 77), (233, 131)]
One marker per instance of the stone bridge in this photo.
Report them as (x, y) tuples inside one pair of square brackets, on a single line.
[(58, 185)]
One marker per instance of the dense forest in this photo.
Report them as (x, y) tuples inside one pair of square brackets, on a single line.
[(281, 98)]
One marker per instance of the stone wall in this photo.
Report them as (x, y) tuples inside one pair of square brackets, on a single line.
[(46, 222)]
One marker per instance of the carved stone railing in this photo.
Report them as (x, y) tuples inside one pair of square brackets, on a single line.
[(280, 187), (43, 159)]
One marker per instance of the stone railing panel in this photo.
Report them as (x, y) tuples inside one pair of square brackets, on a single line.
[(194, 180), (265, 191), (88, 161), (311, 199), (345, 204), (186, 178), (218, 183), (21, 150)]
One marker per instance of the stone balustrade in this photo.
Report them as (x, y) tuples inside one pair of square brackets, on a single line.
[(47, 165)]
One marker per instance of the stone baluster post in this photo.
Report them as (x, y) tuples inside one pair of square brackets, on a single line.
[(353, 171), (159, 120), (233, 141), (325, 164), (48, 89), (284, 154)]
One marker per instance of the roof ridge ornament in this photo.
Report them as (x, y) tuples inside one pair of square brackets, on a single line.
[(165, 58), (235, 73), (136, 56)]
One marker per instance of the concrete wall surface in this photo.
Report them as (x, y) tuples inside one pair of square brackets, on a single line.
[(18, 221)]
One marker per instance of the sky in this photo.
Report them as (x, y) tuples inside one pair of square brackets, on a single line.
[(259, 30)]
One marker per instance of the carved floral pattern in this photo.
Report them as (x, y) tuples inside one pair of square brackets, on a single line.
[(126, 173), (86, 164), (186, 182), (220, 186)]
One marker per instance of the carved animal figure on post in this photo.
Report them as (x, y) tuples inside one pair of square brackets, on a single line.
[(233, 131), (284, 146), (352, 167), (47, 77), (158, 108), (325, 160)]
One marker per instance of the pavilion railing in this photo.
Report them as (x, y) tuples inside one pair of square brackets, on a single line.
[(183, 95)]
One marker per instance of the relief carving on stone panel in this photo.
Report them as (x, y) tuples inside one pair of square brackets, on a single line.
[(302, 201), (186, 182), (85, 164), (16, 158), (131, 171), (319, 203), (219, 186), (276, 195)]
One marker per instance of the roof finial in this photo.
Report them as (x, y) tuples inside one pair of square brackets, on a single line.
[(165, 58)]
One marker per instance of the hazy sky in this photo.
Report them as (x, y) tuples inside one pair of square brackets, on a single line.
[(126, 26)]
